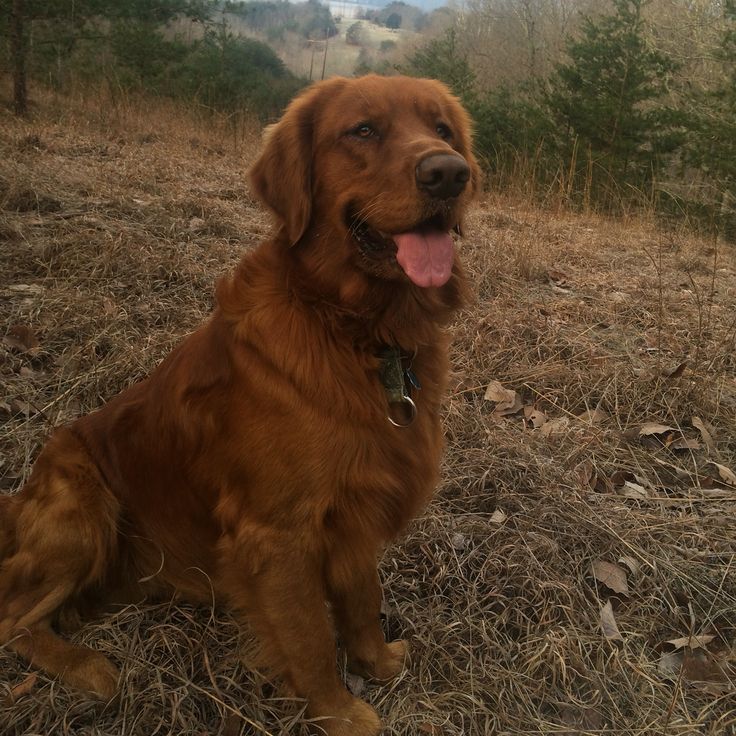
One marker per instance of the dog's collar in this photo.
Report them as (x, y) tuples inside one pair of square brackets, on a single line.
[(398, 380)]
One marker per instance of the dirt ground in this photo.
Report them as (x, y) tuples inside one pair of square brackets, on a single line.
[(576, 571)]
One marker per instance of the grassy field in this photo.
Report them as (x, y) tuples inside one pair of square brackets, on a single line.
[(576, 572)]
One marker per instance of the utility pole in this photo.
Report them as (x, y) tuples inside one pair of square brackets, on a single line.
[(324, 58)]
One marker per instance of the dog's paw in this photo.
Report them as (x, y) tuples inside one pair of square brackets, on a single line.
[(391, 662), (383, 665), (93, 673), (357, 719)]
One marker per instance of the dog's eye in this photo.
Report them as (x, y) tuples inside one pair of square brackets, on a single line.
[(443, 131), (364, 130)]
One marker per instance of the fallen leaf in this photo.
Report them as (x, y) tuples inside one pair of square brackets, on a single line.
[(21, 338), (620, 477), (555, 426), (459, 541), (683, 443), (631, 562), (697, 666), (611, 575), (496, 392), (580, 719), (634, 490), (693, 642), (677, 372), (430, 728), (586, 473), (650, 428), (712, 492), (558, 278), (608, 623), (25, 289), (590, 477), (727, 475), (498, 516), (705, 432), (593, 416), (536, 417), (507, 408), (670, 664)]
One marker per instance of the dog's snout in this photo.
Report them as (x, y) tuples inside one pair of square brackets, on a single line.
[(442, 175)]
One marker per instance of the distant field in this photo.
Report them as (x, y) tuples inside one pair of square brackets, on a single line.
[(302, 56)]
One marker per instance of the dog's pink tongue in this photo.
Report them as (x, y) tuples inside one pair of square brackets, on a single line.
[(426, 256)]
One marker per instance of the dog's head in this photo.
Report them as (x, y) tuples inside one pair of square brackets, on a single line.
[(382, 167)]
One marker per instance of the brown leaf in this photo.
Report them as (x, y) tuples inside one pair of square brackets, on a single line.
[(430, 728), (620, 477), (727, 475), (590, 477), (608, 623), (706, 432), (555, 427), (496, 392), (593, 416), (611, 575), (580, 720), (692, 642), (586, 473), (558, 279), (698, 665), (683, 443), (507, 408), (650, 428), (534, 416), (631, 562), (634, 490), (28, 289), (498, 516), (669, 665), (21, 338), (677, 372)]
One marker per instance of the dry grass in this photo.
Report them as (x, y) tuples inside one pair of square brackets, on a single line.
[(115, 225)]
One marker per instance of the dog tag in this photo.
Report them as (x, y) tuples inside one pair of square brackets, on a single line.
[(402, 410)]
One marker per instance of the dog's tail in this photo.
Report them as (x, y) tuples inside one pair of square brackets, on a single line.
[(7, 525)]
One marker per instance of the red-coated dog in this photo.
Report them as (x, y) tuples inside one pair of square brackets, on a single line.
[(289, 438)]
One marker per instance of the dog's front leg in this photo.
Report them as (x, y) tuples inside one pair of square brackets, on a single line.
[(355, 594), (283, 599)]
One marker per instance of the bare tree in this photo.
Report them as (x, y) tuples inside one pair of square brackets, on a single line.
[(19, 51)]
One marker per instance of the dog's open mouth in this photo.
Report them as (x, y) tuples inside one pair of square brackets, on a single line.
[(425, 252)]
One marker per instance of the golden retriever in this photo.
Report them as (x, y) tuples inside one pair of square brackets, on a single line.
[(289, 438)]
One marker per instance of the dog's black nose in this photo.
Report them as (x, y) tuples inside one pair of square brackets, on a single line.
[(442, 175)]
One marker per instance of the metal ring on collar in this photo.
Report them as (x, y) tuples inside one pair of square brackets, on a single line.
[(406, 401)]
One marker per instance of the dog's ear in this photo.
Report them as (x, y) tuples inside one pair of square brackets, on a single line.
[(281, 177)]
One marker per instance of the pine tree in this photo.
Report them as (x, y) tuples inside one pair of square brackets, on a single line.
[(711, 145), (58, 24), (442, 58), (608, 100)]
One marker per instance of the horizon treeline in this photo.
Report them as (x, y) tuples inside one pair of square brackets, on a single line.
[(601, 104), (133, 45), (604, 105)]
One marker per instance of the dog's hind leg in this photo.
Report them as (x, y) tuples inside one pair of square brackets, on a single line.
[(62, 541)]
